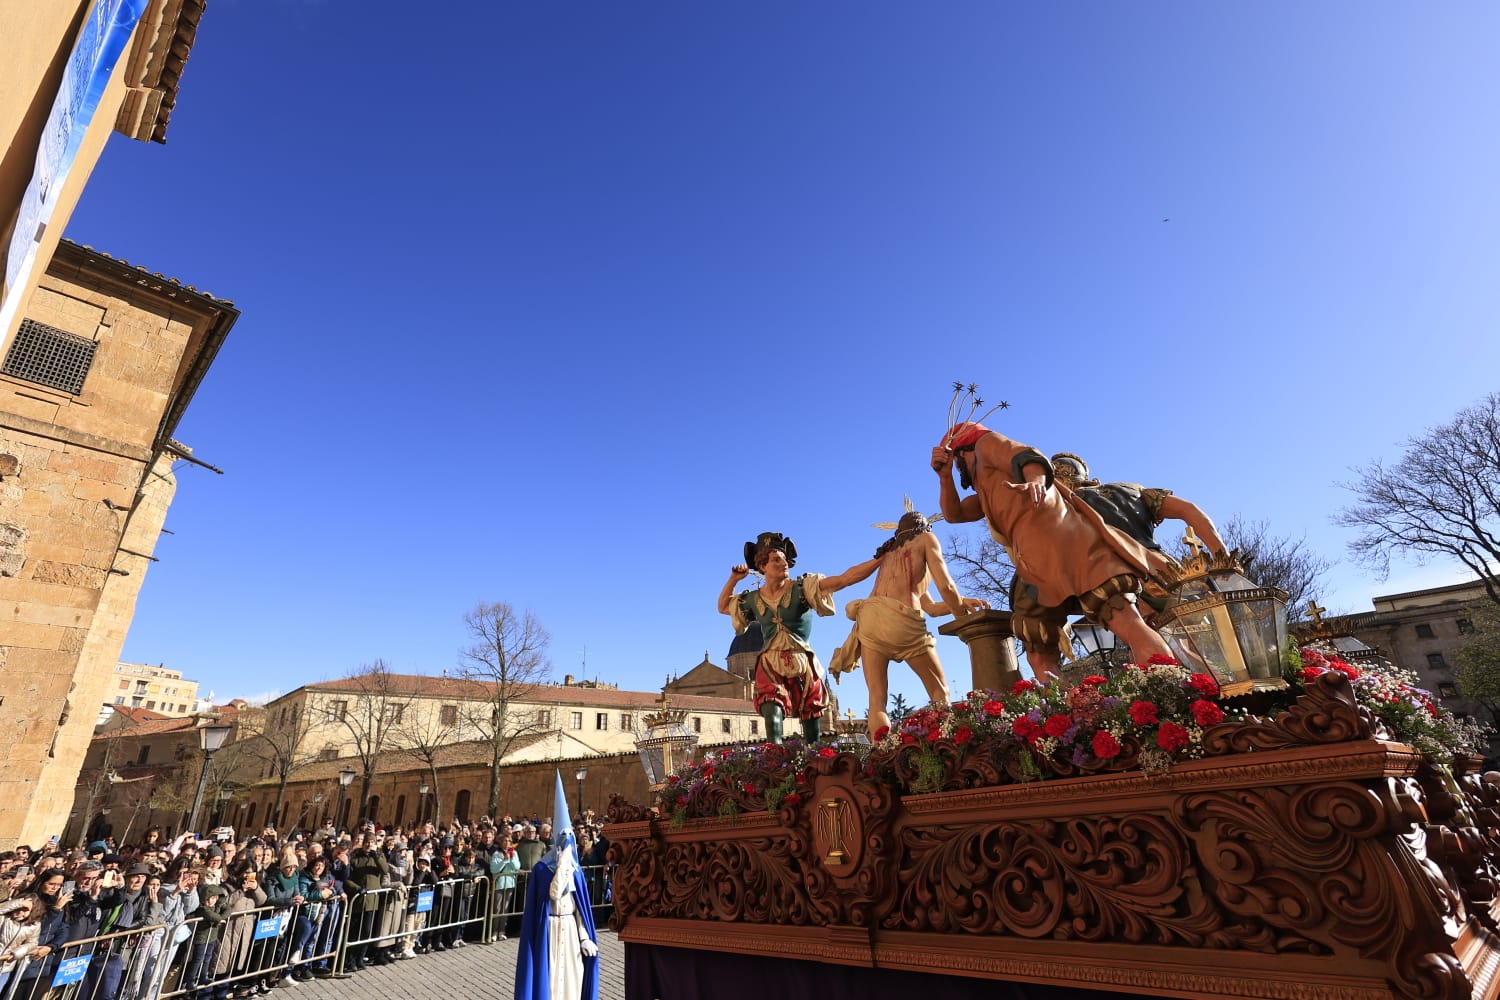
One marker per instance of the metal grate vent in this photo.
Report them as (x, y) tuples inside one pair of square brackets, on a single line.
[(48, 356)]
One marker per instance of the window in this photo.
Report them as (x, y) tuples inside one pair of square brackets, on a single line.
[(393, 714), (1446, 690), (48, 356), (281, 719), (1465, 626), (140, 758), (1424, 631), (754, 727), (120, 700), (575, 720), (601, 720), (544, 718), (723, 725), (1435, 662), (448, 715), (328, 753), (697, 723), (339, 710), (124, 685), (151, 705), (626, 722)]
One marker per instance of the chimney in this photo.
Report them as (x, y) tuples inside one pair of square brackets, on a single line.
[(567, 680)]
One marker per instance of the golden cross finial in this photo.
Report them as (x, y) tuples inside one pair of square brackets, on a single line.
[(1190, 539), (1316, 612), (849, 714)]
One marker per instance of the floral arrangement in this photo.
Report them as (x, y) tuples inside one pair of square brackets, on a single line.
[(1144, 716), (1391, 694)]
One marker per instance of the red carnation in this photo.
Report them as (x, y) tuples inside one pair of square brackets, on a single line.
[(1022, 686), (827, 752), (1306, 674), (960, 706), (1105, 745), (907, 739), (1094, 680), (672, 779), (1143, 713), (1171, 737), (1206, 713), (748, 788), (962, 735), (1346, 669), (1159, 660), (1204, 684), (882, 733), (792, 799), (1026, 729), (682, 800), (994, 708), (1056, 725)]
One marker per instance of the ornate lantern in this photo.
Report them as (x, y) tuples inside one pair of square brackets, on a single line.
[(1218, 621), (667, 744)]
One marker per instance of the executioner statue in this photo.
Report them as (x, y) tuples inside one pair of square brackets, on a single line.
[(1069, 557)]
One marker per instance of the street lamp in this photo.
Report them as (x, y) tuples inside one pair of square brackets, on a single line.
[(211, 738), (1097, 641), (345, 777), (225, 794), (422, 791), (318, 809), (582, 773)]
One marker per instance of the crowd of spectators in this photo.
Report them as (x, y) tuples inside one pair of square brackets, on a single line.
[(192, 887)]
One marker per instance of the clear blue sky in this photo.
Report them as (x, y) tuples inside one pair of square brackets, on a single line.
[(559, 304)]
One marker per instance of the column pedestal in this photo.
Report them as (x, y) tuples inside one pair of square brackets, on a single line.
[(992, 653)]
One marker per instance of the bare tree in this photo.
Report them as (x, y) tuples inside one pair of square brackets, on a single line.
[(422, 735), (983, 570), (1442, 498), (1476, 664), (507, 655), (371, 718), (268, 745)]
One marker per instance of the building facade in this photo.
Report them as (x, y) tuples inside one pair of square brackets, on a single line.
[(156, 689), (91, 393)]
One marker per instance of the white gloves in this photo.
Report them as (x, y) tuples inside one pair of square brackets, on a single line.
[(589, 948)]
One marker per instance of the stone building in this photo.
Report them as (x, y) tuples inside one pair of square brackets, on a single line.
[(154, 688), (92, 389)]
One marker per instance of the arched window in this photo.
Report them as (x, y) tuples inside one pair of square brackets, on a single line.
[(461, 806), (372, 810), (400, 810), (250, 816)]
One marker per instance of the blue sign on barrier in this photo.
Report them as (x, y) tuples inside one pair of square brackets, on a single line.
[(424, 901), (71, 970), (267, 928)]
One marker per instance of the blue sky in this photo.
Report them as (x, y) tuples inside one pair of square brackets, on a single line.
[(559, 304)]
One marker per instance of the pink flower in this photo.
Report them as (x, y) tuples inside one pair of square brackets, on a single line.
[(1143, 713), (1105, 745), (1171, 737), (1206, 713)]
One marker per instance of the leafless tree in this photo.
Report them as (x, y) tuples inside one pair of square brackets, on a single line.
[(982, 570), (1441, 498), (508, 656), (371, 718), (264, 744), (422, 735)]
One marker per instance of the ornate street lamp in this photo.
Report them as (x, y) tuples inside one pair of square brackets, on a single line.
[(582, 773), (346, 776), (1218, 621), (666, 745), (1097, 641), (210, 738)]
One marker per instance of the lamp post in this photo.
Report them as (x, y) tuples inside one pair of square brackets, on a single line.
[(318, 809), (582, 773), (422, 791), (1097, 641), (225, 794), (346, 776), (210, 738)]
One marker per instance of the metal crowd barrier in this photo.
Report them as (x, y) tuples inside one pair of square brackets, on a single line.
[(260, 945)]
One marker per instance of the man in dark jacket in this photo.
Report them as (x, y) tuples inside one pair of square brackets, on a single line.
[(368, 869)]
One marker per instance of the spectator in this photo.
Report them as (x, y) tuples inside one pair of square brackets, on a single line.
[(504, 863)]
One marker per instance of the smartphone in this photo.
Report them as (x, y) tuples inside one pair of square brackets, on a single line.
[(69, 886)]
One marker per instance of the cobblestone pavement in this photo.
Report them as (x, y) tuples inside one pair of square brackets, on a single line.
[(481, 972)]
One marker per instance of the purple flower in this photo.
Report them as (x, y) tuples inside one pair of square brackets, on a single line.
[(1035, 715), (1080, 752), (1070, 734), (1109, 701)]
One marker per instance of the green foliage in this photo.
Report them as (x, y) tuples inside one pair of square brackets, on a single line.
[(899, 710), (931, 772), (730, 809)]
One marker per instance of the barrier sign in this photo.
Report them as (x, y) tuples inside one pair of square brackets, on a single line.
[(267, 928), (71, 970), (424, 901)]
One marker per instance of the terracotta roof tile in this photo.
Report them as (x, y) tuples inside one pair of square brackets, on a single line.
[(410, 685)]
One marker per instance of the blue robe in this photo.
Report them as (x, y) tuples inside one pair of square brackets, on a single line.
[(533, 961)]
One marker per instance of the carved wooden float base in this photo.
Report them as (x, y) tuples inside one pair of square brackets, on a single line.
[(1302, 858)]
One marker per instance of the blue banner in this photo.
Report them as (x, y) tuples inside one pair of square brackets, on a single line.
[(71, 970), (267, 928), (424, 901), (101, 42)]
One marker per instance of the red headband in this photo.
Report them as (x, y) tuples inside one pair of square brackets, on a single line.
[(963, 435)]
